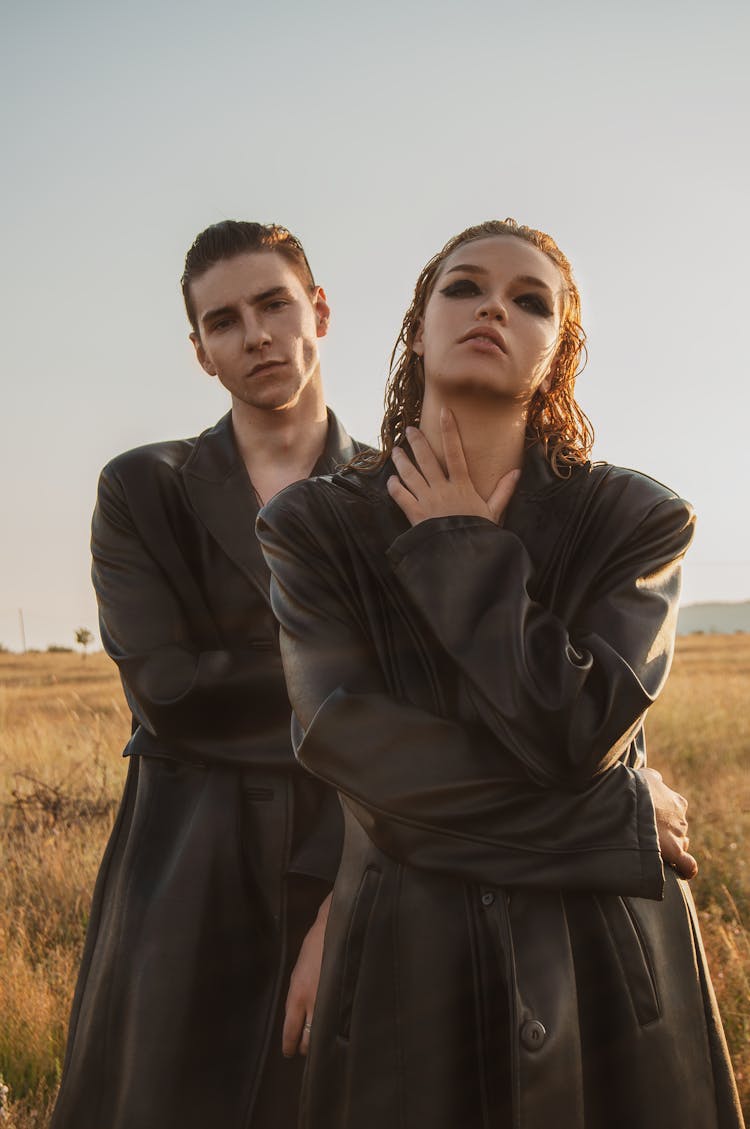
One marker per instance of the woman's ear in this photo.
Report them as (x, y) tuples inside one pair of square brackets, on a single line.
[(417, 344)]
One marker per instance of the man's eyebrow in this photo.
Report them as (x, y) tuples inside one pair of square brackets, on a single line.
[(274, 292), (219, 311), (524, 279), (222, 311)]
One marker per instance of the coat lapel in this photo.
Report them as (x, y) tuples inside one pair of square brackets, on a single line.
[(544, 514), (222, 495)]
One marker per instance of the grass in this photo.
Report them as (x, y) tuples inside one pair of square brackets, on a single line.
[(64, 722)]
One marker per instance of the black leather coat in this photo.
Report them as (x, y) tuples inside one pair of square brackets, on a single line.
[(192, 928), (504, 948)]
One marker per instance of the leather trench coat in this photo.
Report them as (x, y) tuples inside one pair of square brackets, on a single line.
[(504, 947), (188, 947)]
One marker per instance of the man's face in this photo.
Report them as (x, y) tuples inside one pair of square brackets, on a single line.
[(258, 329)]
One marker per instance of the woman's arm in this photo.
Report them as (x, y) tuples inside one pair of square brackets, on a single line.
[(426, 789), (564, 700)]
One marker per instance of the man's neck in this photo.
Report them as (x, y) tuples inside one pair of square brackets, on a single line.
[(279, 447)]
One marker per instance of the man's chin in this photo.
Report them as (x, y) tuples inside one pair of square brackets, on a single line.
[(276, 400)]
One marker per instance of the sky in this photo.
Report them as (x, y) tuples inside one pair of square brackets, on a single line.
[(374, 133)]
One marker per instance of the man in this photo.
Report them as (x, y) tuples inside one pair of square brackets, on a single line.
[(215, 882)]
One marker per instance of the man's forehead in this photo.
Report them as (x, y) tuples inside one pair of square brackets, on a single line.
[(243, 277)]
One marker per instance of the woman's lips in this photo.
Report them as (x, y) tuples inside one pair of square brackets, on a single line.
[(485, 338)]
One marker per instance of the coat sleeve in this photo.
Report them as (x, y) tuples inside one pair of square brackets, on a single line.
[(563, 699), (427, 790), (204, 705)]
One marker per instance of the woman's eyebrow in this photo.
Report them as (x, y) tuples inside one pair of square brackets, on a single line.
[(523, 279), (531, 280), (468, 268)]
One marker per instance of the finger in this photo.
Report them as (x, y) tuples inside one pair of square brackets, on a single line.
[(497, 503), (304, 1044), (293, 1026), (408, 473), (686, 866), (425, 456), (453, 448), (404, 499)]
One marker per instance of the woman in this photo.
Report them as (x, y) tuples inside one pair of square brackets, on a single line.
[(473, 627)]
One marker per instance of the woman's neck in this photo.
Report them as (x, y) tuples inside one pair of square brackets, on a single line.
[(492, 435)]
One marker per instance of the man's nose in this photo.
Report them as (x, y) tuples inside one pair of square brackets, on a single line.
[(256, 333)]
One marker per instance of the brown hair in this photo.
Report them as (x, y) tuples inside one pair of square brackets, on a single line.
[(554, 419), (229, 238)]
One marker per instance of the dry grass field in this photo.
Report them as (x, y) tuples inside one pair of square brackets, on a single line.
[(63, 724)]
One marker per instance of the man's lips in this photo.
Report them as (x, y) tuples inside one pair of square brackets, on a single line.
[(488, 333), (264, 365)]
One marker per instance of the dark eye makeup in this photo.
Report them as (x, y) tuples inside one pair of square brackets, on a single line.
[(461, 288), (535, 303), (531, 301)]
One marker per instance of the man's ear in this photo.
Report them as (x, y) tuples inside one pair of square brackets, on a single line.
[(322, 311), (418, 342), (203, 359)]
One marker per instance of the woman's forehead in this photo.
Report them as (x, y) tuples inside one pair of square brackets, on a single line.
[(508, 253)]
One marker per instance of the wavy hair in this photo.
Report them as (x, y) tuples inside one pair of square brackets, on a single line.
[(554, 418)]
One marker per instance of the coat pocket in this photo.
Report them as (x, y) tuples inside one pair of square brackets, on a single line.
[(355, 941), (628, 939)]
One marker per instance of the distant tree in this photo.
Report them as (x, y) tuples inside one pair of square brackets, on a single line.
[(83, 638), (58, 649)]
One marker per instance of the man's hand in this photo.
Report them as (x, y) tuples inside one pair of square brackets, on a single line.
[(303, 987), (426, 490), (671, 824)]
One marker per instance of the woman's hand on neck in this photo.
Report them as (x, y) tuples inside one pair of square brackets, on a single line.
[(492, 433), (438, 484)]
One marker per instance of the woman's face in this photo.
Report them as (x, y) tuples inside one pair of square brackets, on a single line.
[(492, 321)]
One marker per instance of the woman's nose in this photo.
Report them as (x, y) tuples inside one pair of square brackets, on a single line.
[(492, 307)]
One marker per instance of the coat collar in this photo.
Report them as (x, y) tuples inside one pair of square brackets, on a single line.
[(543, 512), (221, 493)]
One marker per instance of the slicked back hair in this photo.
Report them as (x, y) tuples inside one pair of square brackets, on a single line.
[(229, 238)]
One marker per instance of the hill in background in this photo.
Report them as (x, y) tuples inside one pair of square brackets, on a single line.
[(724, 619)]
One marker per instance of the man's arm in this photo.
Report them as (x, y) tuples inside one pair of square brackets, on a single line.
[(210, 704)]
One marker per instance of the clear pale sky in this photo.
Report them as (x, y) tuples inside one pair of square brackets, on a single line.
[(374, 133)]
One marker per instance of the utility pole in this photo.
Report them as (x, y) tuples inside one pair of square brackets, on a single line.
[(23, 631)]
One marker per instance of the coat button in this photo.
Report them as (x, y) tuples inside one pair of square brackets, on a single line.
[(533, 1034), (488, 898)]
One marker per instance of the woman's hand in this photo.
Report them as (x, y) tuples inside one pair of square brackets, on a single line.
[(671, 824), (425, 490), (303, 987)]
